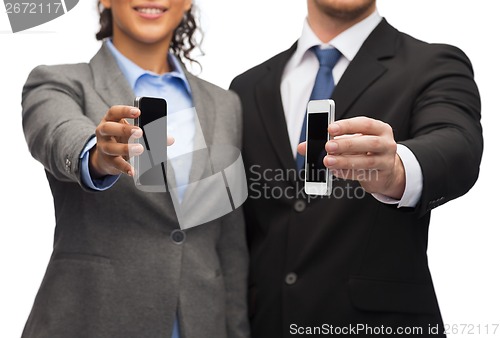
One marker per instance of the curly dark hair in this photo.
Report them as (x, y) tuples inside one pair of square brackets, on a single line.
[(184, 41)]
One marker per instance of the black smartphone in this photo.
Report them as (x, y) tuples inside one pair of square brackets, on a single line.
[(149, 166), (320, 113)]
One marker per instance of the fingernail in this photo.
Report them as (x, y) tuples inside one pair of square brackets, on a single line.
[(334, 128), (330, 160), (332, 147), (135, 149), (136, 133), (134, 111)]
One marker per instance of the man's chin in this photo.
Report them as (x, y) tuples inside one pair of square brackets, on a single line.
[(345, 9)]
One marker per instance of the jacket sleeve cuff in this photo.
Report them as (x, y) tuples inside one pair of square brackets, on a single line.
[(99, 184)]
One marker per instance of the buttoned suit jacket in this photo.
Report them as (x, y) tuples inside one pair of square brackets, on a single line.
[(350, 259), (115, 271)]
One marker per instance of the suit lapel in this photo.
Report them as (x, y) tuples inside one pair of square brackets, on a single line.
[(205, 108), (270, 108), (361, 73), (109, 82), (203, 139), (365, 68)]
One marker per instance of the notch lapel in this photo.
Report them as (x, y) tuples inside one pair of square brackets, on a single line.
[(270, 108), (109, 82), (205, 112), (365, 68), (205, 108)]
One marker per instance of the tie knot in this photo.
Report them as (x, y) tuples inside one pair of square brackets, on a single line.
[(327, 57)]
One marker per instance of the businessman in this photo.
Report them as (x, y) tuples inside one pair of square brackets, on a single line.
[(407, 138)]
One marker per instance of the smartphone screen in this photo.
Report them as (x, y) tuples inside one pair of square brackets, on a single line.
[(149, 166), (317, 136)]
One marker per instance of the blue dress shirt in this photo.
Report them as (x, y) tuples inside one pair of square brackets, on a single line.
[(174, 88)]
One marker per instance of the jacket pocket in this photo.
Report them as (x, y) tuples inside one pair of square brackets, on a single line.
[(392, 296), (75, 298)]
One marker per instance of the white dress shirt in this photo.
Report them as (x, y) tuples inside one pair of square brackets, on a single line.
[(298, 81)]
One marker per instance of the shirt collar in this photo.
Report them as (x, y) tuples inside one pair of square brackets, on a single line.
[(348, 42), (133, 72)]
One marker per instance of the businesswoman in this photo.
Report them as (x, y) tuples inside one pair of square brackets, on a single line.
[(121, 266)]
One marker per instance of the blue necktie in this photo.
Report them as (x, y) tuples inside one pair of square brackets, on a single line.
[(323, 86)]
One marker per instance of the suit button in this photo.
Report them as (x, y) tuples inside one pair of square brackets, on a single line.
[(291, 278), (178, 236), (67, 165), (299, 206)]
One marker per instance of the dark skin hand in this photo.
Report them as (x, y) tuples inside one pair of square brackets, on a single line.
[(115, 143)]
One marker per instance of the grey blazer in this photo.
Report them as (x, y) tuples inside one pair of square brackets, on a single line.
[(116, 269)]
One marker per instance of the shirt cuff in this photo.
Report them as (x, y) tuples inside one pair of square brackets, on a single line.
[(414, 181), (99, 184)]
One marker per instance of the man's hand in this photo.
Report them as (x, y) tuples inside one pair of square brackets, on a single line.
[(363, 149)]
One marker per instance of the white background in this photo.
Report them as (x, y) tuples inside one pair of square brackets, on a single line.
[(464, 238)]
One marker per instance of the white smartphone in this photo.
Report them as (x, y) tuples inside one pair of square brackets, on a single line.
[(318, 179)]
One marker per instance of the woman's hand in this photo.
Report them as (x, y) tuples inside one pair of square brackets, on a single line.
[(111, 153)]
